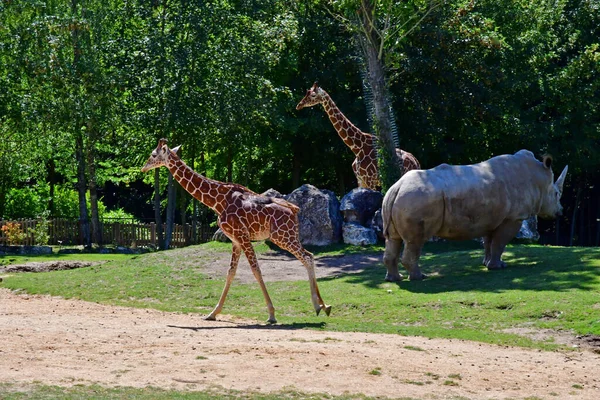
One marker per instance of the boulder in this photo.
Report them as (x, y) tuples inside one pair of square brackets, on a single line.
[(319, 217), (35, 250), (272, 193), (360, 204), (377, 224), (219, 236), (528, 231), (358, 235)]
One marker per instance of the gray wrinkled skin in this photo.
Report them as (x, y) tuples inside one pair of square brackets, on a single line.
[(489, 200)]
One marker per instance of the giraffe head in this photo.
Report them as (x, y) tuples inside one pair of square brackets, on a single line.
[(160, 155), (314, 95)]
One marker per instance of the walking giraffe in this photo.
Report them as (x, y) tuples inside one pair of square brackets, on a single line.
[(243, 216), (362, 144)]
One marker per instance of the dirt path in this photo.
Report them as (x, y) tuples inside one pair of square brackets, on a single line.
[(63, 342)]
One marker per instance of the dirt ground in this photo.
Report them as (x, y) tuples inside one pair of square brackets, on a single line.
[(55, 341)]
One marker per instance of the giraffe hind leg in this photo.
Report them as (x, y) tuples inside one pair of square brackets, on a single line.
[(307, 259)]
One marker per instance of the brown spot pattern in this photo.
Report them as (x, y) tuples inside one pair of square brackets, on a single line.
[(244, 216), (362, 144)]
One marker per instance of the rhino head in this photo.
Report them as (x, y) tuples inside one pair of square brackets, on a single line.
[(551, 207)]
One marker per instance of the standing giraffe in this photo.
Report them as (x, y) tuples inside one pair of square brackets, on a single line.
[(243, 216), (362, 144)]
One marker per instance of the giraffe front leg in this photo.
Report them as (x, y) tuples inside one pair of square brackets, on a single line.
[(251, 256), (236, 251)]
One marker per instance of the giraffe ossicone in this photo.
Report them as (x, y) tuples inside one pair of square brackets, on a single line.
[(362, 144), (244, 216)]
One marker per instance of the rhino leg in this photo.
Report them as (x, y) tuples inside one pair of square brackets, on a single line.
[(487, 247), (500, 238), (410, 260), (390, 259)]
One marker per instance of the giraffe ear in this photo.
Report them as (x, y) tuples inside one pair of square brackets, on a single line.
[(176, 149)]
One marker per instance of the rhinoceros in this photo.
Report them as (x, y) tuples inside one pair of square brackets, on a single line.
[(488, 200)]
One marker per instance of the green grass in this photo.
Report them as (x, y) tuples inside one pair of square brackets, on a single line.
[(543, 287), (21, 259), (44, 392)]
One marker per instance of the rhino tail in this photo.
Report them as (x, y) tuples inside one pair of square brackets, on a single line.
[(386, 211)]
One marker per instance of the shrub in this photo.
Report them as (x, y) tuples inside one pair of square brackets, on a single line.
[(25, 202), (40, 232), (119, 213), (13, 232)]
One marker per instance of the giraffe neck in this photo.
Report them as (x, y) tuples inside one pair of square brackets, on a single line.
[(201, 188), (353, 137)]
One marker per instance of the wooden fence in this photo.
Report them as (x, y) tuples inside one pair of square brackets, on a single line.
[(67, 232)]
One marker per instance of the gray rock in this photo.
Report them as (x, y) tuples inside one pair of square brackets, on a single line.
[(358, 235), (360, 204), (528, 231), (272, 193), (219, 236), (377, 224), (36, 250), (319, 217)]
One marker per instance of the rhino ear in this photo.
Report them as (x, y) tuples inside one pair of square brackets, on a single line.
[(547, 160), (561, 179)]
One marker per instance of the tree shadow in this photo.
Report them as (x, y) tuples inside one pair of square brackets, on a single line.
[(529, 267)]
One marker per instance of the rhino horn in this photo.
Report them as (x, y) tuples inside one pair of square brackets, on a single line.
[(561, 179)]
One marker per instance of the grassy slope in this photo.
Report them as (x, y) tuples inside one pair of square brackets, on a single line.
[(78, 392), (544, 287)]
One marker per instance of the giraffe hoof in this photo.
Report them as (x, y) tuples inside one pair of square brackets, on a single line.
[(210, 317), (326, 308), (271, 320)]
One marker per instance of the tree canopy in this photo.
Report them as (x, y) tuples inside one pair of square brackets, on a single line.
[(89, 86)]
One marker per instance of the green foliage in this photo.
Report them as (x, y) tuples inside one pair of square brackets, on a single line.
[(66, 203), (13, 232), (24, 203), (468, 80), (542, 288), (119, 213), (41, 234)]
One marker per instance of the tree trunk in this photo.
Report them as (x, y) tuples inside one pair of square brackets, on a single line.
[(598, 224), (93, 187), (389, 169), (157, 218), (184, 202), (171, 198), (340, 178), (194, 221), (52, 184), (574, 217), (2, 201), (295, 171), (229, 164), (84, 224)]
